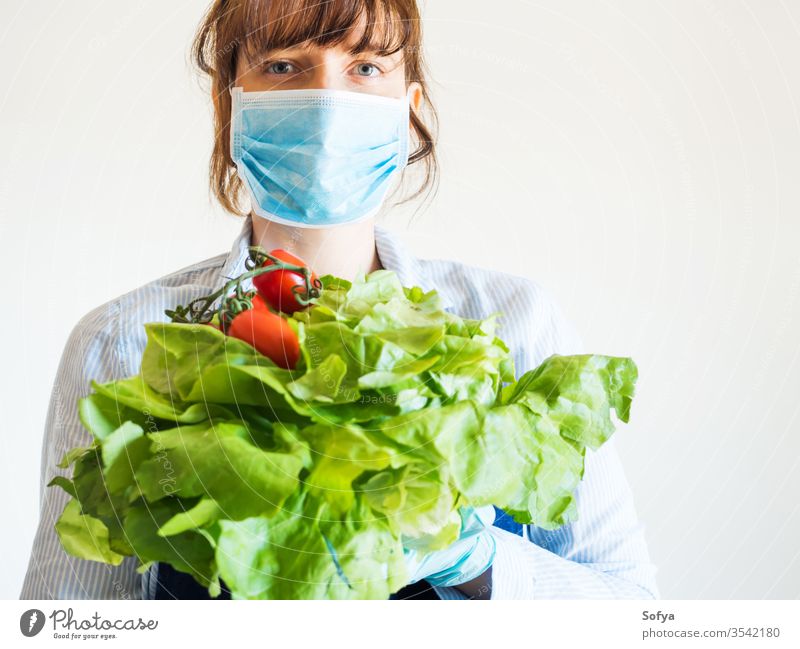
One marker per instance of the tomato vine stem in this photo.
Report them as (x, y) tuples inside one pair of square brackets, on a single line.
[(234, 299)]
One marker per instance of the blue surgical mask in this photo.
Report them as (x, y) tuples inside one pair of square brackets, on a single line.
[(317, 158)]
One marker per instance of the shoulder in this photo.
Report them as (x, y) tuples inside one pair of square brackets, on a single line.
[(108, 340), (149, 300), (479, 291), (531, 319)]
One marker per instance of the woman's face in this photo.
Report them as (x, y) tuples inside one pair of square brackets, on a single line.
[(334, 67)]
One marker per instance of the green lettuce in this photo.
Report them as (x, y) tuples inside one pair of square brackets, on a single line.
[(308, 483)]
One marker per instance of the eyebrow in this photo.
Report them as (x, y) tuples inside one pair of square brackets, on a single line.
[(369, 52)]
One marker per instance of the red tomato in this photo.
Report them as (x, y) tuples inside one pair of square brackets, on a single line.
[(276, 287), (269, 333), (259, 304)]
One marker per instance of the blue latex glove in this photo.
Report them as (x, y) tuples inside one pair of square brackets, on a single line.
[(465, 559)]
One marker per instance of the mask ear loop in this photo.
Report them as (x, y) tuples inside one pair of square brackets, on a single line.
[(236, 108), (406, 136)]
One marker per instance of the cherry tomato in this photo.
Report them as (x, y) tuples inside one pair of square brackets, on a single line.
[(269, 333), (259, 304), (277, 287)]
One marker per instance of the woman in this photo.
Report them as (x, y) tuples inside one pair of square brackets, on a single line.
[(319, 107)]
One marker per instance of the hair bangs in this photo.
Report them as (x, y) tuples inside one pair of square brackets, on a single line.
[(381, 26)]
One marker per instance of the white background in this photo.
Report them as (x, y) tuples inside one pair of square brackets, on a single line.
[(639, 159)]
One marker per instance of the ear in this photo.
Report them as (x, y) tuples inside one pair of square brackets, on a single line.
[(415, 95)]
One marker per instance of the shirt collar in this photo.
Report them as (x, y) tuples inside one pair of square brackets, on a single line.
[(396, 256), (235, 262), (393, 253)]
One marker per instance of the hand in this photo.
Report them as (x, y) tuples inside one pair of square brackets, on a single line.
[(464, 560)]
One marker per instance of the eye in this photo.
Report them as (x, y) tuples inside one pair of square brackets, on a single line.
[(367, 70), (280, 67)]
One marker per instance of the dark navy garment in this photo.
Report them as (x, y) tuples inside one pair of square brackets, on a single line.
[(171, 584)]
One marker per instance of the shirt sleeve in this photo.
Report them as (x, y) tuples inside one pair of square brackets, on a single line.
[(91, 352), (603, 554)]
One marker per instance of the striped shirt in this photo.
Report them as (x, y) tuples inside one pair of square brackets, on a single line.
[(603, 554)]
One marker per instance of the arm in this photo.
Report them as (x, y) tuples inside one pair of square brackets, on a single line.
[(603, 554), (91, 353)]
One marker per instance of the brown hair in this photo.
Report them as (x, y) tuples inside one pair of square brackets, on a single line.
[(256, 26)]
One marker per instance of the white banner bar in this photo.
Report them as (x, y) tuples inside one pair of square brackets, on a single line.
[(445, 624)]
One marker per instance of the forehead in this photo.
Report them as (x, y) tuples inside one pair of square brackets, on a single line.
[(378, 26)]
